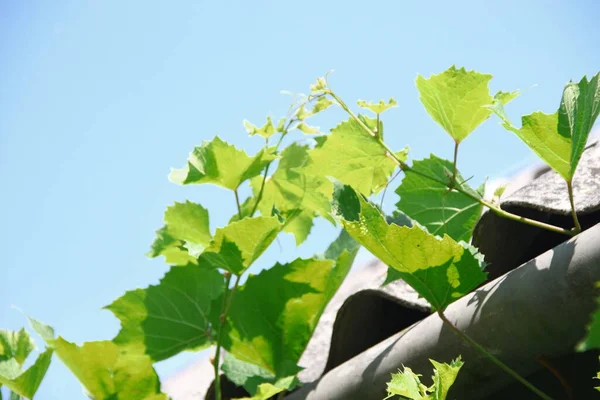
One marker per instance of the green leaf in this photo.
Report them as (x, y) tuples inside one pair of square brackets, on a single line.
[(289, 300), (319, 86), (560, 138), (25, 383), (432, 205), (321, 104), (592, 339), (221, 164), (455, 99), (352, 156), (406, 384), (444, 376), (189, 222), (309, 130), (579, 108), (244, 374), (172, 316), (539, 132), (171, 248), (439, 269), (267, 390), (289, 189), (266, 131), (378, 108), (236, 246), (15, 344)]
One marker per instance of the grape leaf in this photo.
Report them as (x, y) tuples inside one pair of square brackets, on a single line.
[(266, 131), (15, 344), (288, 189), (439, 269), (352, 156), (244, 374), (321, 104), (378, 108), (579, 108), (455, 99), (172, 316), (171, 248), (188, 222), (272, 317), (430, 204), (221, 164), (236, 246), (408, 385), (560, 138), (24, 383), (267, 390)]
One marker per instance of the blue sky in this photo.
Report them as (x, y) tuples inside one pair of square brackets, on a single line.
[(98, 99)]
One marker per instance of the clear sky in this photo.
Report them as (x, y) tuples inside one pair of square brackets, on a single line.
[(98, 99)]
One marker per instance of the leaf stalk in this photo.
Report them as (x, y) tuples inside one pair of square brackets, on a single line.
[(577, 228), (493, 359)]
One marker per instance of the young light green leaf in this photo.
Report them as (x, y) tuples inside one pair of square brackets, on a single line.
[(266, 131), (221, 164), (432, 205), (307, 129), (172, 316), (579, 108), (540, 133), (291, 299), (24, 383), (289, 189), (188, 222), (352, 156), (319, 86), (171, 248), (455, 99), (378, 108), (408, 385), (439, 269), (499, 191), (15, 344), (444, 376), (321, 104), (242, 241)]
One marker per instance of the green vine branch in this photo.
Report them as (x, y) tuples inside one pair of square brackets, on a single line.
[(496, 209), (573, 210)]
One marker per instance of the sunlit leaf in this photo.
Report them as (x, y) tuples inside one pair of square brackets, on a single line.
[(266, 131), (309, 130), (272, 317), (289, 189), (24, 383), (240, 243), (378, 108), (221, 164), (352, 156), (455, 99), (15, 344), (407, 384), (439, 269), (171, 248), (321, 104), (579, 108), (172, 316), (267, 390), (432, 205)]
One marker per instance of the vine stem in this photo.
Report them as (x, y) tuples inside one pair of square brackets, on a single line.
[(493, 359), (454, 169), (450, 185), (573, 211), (237, 203), (227, 299)]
